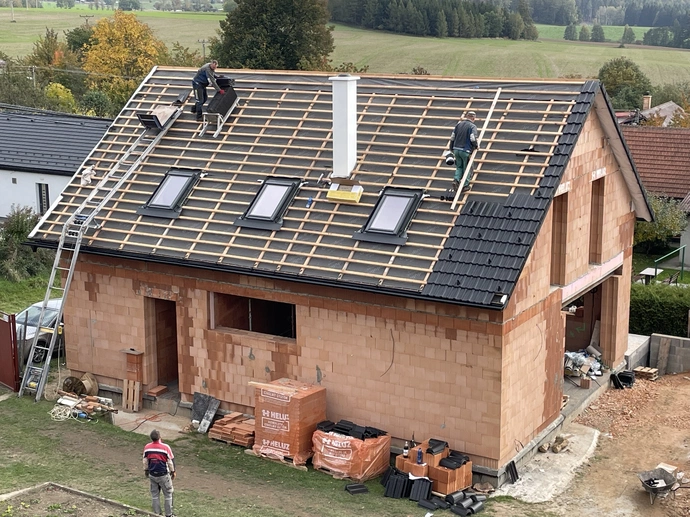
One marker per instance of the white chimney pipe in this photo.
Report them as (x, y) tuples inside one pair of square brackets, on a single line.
[(344, 125)]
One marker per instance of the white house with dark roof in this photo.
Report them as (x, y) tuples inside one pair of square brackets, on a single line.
[(314, 239), (40, 151)]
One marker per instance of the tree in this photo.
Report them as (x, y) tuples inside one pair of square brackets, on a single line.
[(123, 52), (275, 34), (530, 32), (584, 33), (62, 97), (628, 36), (570, 33), (96, 103), (624, 82), (130, 5), (79, 39), (515, 26), (598, 33), (669, 221), (16, 260)]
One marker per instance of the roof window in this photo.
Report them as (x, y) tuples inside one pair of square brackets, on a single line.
[(391, 216), (168, 198), (270, 204)]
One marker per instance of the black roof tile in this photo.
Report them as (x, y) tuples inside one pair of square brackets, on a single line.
[(45, 141)]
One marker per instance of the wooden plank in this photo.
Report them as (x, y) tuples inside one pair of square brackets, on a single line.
[(208, 416), (662, 361)]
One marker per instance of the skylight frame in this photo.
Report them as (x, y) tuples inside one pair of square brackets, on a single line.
[(397, 234), (274, 221), (173, 209)]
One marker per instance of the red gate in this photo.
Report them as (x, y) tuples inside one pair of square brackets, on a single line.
[(9, 367)]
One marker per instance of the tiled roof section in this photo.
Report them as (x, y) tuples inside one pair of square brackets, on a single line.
[(47, 142), (490, 242), (282, 127), (662, 158)]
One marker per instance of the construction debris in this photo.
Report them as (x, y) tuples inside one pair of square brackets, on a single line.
[(234, 428), (650, 374), (71, 405)]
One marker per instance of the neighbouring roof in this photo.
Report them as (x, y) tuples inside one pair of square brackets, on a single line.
[(666, 111), (282, 127), (46, 141), (662, 158)]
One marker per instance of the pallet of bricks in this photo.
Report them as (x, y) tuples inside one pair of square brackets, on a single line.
[(449, 471), (287, 413), (233, 428), (649, 374)]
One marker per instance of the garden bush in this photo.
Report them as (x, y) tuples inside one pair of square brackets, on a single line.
[(18, 261), (660, 309)]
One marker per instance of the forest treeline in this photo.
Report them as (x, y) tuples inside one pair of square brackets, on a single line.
[(440, 18), (515, 19)]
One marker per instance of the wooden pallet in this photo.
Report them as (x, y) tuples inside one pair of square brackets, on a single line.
[(233, 428), (285, 460), (649, 374), (131, 396)]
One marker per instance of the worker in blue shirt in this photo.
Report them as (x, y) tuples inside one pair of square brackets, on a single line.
[(462, 144), (204, 76)]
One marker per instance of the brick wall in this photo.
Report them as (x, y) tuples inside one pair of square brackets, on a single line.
[(403, 365)]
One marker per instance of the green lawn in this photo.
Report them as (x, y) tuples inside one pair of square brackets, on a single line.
[(215, 480), (500, 58), (388, 53), (16, 39), (15, 296)]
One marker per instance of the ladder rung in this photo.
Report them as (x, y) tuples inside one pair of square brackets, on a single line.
[(49, 330)]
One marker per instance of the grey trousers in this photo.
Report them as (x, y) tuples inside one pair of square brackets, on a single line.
[(163, 483)]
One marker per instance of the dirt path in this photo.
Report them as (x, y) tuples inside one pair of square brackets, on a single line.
[(641, 427)]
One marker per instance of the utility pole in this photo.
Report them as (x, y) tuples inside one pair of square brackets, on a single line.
[(86, 16), (203, 47)]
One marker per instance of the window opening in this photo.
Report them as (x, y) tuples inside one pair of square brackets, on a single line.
[(391, 216), (270, 204), (254, 315), (43, 197), (169, 196)]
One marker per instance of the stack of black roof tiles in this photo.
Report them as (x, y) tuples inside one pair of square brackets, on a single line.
[(348, 428), (455, 460), (399, 485)]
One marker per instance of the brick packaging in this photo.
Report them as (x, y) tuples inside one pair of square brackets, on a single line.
[(286, 418), (349, 457)]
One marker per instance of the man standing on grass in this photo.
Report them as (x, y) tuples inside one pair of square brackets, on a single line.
[(159, 467), (463, 142), (204, 76)]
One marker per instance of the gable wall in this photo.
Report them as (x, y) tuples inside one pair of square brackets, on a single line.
[(534, 332), (403, 365)]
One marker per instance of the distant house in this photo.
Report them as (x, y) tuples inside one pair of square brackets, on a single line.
[(39, 152), (665, 111), (319, 244), (662, 157)]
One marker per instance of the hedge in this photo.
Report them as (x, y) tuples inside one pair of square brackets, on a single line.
[(660, 309)]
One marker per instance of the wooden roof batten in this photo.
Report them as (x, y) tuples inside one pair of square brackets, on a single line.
[(282, 127)]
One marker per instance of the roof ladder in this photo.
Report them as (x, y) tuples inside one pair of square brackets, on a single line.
[(470, 162), (36, 375)]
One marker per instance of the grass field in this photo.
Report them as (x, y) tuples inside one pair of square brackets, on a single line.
[(15, 296), (389, 53)]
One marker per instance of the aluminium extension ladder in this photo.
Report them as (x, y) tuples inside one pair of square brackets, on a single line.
[(73, 232)]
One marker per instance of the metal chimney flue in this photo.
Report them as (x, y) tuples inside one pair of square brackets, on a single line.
[(344, 125)]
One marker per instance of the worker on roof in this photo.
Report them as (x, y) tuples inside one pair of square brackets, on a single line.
[(204, 76), (463, 142)]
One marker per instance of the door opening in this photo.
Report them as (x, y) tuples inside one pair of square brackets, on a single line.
[(161, 330)]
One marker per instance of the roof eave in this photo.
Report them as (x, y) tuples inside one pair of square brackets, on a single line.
[(323, 282), (620, 149)]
